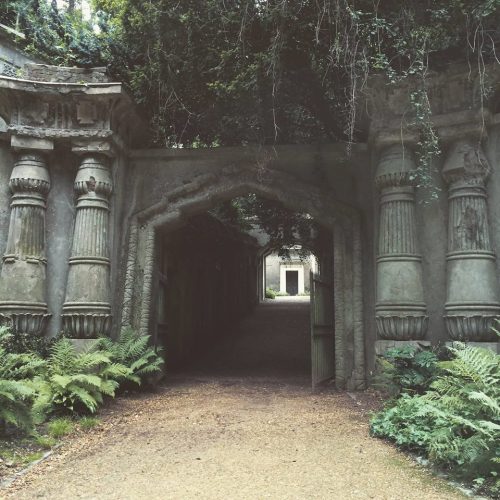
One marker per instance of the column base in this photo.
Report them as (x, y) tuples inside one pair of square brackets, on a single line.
[(25, 323), (86, 325), (381, 346), (473, 328), (402, 327)]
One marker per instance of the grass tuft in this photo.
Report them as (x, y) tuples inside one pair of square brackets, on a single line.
[(60, 427)]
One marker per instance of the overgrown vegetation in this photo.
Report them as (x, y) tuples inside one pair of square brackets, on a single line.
[(68, 382), (455, 420), (224, 72), (409, 369)]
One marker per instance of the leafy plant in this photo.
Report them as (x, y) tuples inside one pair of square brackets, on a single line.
[(133, 351), (456, 423), (408, 369), (16, 394), (75, 381), (270, 293)]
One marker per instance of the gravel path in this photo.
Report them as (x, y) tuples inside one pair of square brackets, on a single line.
[(233, 435), (230, 438)]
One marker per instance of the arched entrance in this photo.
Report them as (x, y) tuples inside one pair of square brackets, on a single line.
[(196, 197)]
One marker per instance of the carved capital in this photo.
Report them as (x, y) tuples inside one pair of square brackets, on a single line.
[(396, 168), (466, 164), (30, 175), (93, 178)]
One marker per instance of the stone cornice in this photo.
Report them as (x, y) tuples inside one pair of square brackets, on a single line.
[(62, 111), (458, 110)]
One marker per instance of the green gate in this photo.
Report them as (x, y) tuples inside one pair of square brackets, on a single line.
[(322, 331)]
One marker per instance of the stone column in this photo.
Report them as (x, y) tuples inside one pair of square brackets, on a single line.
[(472, 284), (87, 308), (400, 308), (22, 280)]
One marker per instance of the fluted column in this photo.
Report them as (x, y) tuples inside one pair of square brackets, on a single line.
[(22, 279), (472, 285), (87, 308), (400, 308)]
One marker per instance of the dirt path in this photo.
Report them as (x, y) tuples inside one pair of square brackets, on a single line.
[(231, 439), (233, 435)]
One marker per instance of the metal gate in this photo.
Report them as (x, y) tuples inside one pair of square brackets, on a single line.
[(322, 331)]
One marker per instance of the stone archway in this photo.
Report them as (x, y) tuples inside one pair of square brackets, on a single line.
[(202, 194)]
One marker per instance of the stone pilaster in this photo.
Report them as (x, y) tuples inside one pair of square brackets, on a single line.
[(23, 303), (472, 291), (87, 308), (400, 308)]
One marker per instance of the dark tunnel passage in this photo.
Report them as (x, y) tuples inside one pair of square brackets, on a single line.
[(212, 317)]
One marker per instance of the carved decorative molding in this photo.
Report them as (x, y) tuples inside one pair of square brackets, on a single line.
[(472, 288), (22, 279), (87, 308), (400, 308), (86, 326), (30, 323), (476, 328), (402, 327)]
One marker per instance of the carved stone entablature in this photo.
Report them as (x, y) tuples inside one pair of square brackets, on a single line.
[(22, 279), (400, 307), (472, 287), (87, 308), (69, 108), (458, 108)]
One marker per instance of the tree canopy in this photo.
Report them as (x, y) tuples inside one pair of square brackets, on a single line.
[(231, 72)]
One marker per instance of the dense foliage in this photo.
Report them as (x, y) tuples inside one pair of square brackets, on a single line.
[(456, 422), (407, 369), (33, 388), (260, 71)]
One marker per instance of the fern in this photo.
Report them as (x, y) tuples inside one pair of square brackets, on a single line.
[(456, 423), (133, 351), (16, 393), (75, 381)]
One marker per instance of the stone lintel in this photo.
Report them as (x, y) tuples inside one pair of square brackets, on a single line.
[(388, 137), (19, 143), (450, 127), (82, 147), (381, 346)]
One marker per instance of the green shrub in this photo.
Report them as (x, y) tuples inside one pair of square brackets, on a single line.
[(408, 369), (22, 343), (270, 293), (456, 423), (133, 351), (16, 393), (75, 381), (60, 427)]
